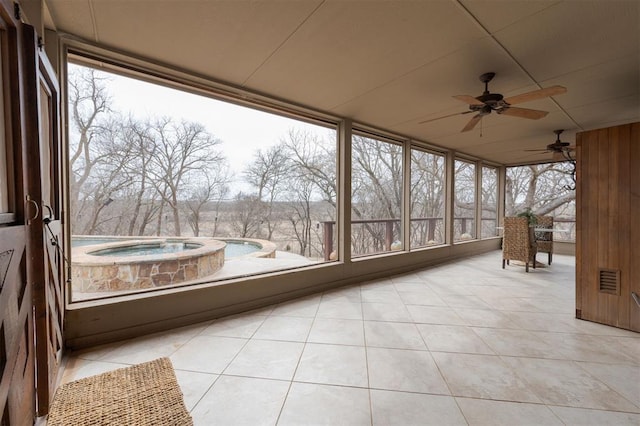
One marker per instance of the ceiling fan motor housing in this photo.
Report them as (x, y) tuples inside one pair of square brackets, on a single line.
[(491, 101)]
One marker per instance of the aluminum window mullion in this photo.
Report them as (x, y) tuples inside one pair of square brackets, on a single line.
[(343, 233)]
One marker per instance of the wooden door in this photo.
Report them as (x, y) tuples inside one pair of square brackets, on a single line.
[(45, 267), (17, 354), (608, 206)]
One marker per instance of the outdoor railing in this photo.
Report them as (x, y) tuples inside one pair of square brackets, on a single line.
[(431, 224)]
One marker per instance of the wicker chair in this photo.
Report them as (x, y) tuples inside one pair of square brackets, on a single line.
[(544, 240), (518, 242)]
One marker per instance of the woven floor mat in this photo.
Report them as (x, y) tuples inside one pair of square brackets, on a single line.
[(143, 394)]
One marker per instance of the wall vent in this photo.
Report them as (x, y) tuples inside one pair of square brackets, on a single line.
[(609, 281)]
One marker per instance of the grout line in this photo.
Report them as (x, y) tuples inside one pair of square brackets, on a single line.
[(304, 346)]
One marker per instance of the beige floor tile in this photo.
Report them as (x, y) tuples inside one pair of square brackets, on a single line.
[(451, 286), (559, 382), (194, 385), (404, 370), (485, 318), (510, 303), (413, 286), (624, 379), (337, 331), (538, 321), (552, 304), (516, 343), (393, 335), (292, 329), (346, 294), (483, 412), (482, 376), (464, 301), (241, 401), (385, 312), (407, 409), (380, 296), (593, 328), (236, 326), (266, 359), (630, 346), (434, 315), (336, 309), (312, 404), (333, 365), (148, 348), (97, 352), (305, 307), (411, 277), (582, 347), (381, 284), (453, 338), (78, 368), (585, 417), (207, 354), (422, 297)]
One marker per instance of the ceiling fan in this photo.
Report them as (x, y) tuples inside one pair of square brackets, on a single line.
[(560, 150), (489, 102)]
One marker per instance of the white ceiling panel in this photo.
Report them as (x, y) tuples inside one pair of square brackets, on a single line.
[(228, 40), (573, 35), (497, 15), (392, 64), (352, 48)]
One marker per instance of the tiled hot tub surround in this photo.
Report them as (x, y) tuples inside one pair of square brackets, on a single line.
[(91, 273)]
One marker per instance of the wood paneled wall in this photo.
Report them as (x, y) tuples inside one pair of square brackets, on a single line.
[(608, 225)]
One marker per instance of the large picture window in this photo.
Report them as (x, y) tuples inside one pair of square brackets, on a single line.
[(545, 189), (427, 198), (464, 209), (376, 195), (172, 188), (489, 202)]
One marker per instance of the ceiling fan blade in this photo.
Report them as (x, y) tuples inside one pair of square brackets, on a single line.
[(444, 116), (536, 150), (536, 94), (532, 114), (472, 123), (468, 99)]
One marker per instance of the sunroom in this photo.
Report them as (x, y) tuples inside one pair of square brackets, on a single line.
[(329, 181)]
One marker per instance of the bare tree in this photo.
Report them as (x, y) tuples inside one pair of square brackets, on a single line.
[(316, 158), (267, 174), (539, 187), (427, 197), (209, 185), (243, 220), (299, 215), (89, 103), (180, 149), (376, 179)]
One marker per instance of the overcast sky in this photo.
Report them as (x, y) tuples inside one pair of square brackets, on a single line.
[(242, 130)]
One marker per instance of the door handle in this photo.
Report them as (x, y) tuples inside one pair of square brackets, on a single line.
[(636, 298), (37, 208), (49, 217)]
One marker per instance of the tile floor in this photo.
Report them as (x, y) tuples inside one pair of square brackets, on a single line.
[(463, 343)]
